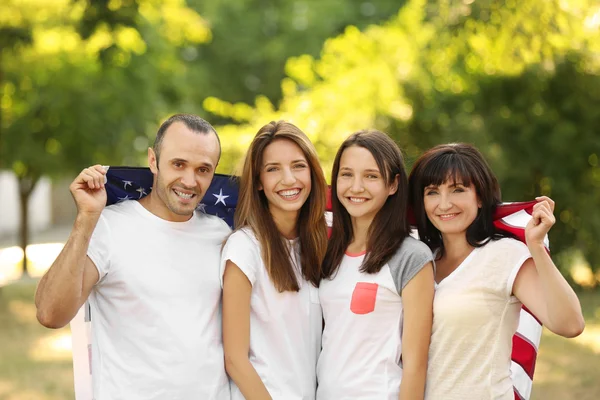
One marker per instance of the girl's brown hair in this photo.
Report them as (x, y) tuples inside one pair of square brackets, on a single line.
[(253, 211), (390, 226)]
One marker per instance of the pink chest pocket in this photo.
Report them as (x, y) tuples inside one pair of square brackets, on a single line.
[(363, 298)]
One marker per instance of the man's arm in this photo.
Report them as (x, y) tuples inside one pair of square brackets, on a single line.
[(70, 279)]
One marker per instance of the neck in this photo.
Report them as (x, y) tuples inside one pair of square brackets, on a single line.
[(456, 247), (286, 223), (156, 206), (360, 235)]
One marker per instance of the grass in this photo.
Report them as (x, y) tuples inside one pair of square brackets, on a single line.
[(35, 362)]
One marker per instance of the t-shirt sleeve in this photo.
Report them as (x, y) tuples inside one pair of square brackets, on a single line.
[(243, 251), (410, 258), (99, 248), (516, 254)]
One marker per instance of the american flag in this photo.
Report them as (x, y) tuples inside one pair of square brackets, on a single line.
[(127, 183)]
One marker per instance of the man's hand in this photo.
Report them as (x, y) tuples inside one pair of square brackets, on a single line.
[(88, 191)]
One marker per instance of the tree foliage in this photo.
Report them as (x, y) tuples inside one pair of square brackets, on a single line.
[(518, 79), (85, 80)]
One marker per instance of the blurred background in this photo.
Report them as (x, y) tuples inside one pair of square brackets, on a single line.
[(89, 81)]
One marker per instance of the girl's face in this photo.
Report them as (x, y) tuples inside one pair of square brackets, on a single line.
[(285, 178), (451, 207), (361, 187)]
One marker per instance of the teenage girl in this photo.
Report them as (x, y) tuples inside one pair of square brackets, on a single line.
[(378, 287), (271, 267)]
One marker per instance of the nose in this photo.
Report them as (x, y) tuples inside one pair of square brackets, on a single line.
[(357, 185), (188, 179), (445, 202), (288, 177)]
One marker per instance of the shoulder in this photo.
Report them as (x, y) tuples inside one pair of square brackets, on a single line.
[(212, 222), (413, 247), (505, 246), (119, 211), (243, 237)]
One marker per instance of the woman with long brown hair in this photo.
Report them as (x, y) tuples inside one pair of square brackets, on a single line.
[(377, 290), (271, 267)]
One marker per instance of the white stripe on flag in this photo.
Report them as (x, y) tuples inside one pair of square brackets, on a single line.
[(530, 329), (81, 341), (520, 380)]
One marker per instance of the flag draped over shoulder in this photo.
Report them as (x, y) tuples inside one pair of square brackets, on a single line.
[(127, 183)]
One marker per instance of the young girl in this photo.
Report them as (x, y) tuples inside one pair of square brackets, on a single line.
[(377, 291), (482, 275), (270, 265)]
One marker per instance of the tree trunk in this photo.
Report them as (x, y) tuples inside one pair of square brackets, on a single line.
[(26, 186)]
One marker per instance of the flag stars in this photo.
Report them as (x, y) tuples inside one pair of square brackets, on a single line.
[(220, 197), (127, 183), (141, 191)]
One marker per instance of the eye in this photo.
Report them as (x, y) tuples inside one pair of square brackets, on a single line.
[(300, 166), (372, 176), (345, 174), (459, 190), (430, 192), (177, 164), (204, 170), (271, 169)]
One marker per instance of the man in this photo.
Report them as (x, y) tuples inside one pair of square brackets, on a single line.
[(151, 271)]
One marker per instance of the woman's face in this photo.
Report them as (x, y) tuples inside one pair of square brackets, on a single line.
[(285, 178), (451, 207), (361, 187)]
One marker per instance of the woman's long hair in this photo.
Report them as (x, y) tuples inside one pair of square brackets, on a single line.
[(253, 211), (455, 162), (390, 226)]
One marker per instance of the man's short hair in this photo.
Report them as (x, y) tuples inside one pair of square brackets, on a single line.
[(191, 121)]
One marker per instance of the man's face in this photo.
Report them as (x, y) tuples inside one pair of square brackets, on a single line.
[(184, 171)]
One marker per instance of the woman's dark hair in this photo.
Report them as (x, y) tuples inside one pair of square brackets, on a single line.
[(455, 162), (390, 226)]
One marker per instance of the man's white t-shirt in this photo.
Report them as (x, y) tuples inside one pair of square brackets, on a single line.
[(475, 318), (156, 318), (285, 328), (362, 341)]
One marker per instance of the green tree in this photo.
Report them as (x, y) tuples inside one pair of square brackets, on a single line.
[(84, 80), (518, 79)]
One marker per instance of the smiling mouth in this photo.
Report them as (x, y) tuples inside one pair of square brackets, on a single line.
[(445, 217), (289, 194), (356, 200), (184, 196)]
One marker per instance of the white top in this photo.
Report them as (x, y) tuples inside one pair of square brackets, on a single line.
[(156, 317), (475, 318), (362, 341), (285, 328)]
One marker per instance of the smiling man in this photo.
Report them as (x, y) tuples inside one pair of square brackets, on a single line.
[(150, 269)]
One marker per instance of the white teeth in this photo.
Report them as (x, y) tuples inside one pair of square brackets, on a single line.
[(447, 215), (358, 199), (183, 195), (289, 193)]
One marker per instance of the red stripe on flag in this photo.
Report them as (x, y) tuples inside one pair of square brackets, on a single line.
[(524, 354)]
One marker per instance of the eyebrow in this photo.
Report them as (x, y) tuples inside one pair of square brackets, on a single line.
[(366, 170), (278, 163), (184, 161)]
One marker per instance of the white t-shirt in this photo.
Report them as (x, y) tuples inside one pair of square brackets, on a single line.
[(362, 341), (475, 318), (285, 328), (156, 318)]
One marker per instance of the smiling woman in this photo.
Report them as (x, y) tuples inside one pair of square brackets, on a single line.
[(270, 268), (483, 275)]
